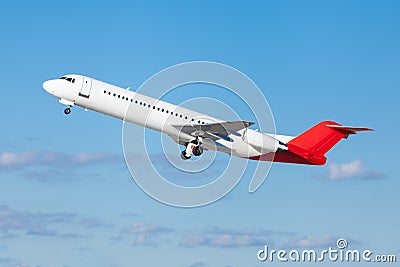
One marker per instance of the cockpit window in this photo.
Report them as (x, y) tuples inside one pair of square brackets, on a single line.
[(71, 80)]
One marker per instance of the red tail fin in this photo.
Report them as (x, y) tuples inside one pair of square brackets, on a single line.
[(315, 142)]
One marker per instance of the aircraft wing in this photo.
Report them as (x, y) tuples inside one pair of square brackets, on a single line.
[(214, 131)]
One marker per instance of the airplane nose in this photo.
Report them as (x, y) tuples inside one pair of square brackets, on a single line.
[(47, 86)]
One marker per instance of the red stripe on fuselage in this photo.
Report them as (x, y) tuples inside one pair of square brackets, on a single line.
[(290, 157)]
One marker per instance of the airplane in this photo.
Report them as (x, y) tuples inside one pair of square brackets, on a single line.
[(197, 131)]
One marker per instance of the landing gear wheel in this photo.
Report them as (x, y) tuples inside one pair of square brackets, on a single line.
[(183, 155), (197, 151), (67, 111)]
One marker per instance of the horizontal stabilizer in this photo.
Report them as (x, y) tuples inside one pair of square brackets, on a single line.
[(349, 129)]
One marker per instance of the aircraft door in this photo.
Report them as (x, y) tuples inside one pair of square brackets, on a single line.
[(86, 87)]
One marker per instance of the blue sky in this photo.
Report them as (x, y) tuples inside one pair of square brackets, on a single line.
[(66, 196)]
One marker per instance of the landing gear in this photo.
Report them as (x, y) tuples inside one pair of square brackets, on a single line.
[(192, 148), (183, 155), (67, 103), (197, 151), (67, 111)]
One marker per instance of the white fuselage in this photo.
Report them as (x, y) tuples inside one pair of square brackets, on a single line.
[(155, 114)]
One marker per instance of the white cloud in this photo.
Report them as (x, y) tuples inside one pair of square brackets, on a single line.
[(322, 241), (32, 223), (223, 238), (94, 223), (18, 265), (52, 158), (353, 169), (39, 231), (193, 241), (12, 159), (72, 236), (145, 232), (223, 241), (84, 157), (197, 264), (144, 228)]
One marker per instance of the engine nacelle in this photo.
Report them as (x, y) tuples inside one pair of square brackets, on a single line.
[(262, 142)]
